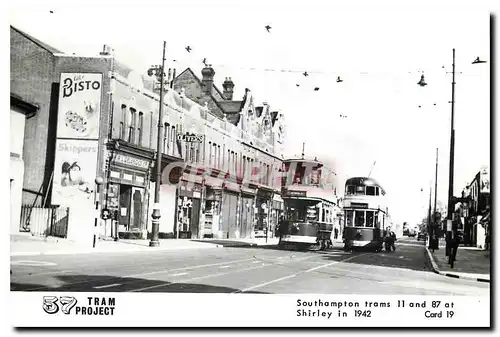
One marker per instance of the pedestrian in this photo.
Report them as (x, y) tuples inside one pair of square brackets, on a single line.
[(454, 244), (336, 233)]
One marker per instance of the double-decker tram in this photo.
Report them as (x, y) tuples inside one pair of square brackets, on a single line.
[(365, 214), (310, 205)]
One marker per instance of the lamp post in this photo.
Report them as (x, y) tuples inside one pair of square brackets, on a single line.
[(451, 205), (159, 72), (98, 183)]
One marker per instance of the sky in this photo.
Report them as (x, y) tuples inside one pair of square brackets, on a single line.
[(393, 126)]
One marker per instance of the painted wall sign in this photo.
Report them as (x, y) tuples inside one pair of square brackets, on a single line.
[(132, 161), (79, 105), (74, 171)]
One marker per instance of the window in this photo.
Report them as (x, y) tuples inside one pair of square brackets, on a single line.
[(359, 219), (151, 129), (123, 122), (349, 215), (219, 161), (173, 139), (360, 190), (209, 153), (370, 190), (166, 138), (131, 129), (370, 218), (140, 128)]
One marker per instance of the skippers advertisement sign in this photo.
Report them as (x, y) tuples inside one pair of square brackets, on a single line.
[(74, 171), (79, 105)]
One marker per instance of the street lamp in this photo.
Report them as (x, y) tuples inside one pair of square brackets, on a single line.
[(159, 72), (98, 182)]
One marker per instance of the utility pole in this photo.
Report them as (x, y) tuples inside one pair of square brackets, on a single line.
[(434, 220), (451, 205), (429, 225), (156, 215)]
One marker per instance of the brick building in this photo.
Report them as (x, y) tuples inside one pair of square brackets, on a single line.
[(98, 118)]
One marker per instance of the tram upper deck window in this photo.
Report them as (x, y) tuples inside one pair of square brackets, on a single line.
[(350, 189), (360, 190), (371, 190)]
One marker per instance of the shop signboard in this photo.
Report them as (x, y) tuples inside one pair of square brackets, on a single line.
[(79, 105)]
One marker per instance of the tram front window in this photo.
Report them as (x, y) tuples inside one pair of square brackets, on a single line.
[(301, 210), (370, 218), (359, 219)]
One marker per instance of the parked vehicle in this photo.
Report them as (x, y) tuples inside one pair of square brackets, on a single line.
[(422, 236)]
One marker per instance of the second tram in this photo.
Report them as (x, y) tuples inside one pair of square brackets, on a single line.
[(365, 214), (310, 206)]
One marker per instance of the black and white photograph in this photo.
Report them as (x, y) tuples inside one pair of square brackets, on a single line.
[(250, 164)]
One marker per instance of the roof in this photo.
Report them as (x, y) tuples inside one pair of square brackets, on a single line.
[(228, 107), (45, 46), (363, 181)]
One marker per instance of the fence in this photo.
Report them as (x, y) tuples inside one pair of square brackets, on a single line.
[(48, 221)]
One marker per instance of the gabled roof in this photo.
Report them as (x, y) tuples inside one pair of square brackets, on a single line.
[(228, 107), (43, 45)]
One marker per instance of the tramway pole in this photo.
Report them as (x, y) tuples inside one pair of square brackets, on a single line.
[(156, 215), (434, 220), (451, 207)]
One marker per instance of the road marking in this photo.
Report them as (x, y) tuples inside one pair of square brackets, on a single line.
[(265, 284), (211, 275), (107, 286), (179, 274), (256, 262), (221, 267), (294, 275), (33, 263), (150, 273)]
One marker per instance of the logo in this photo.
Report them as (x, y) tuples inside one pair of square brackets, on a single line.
[(78, 84), (94, 306), (52, 304)]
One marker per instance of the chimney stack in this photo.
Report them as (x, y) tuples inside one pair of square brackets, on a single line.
[(228, 86), (208, 79), (106, 50)]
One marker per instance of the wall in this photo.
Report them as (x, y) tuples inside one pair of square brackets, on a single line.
[(17, 124), (31, 77)]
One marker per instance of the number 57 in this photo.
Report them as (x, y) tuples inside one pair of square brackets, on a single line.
[(51, 306)]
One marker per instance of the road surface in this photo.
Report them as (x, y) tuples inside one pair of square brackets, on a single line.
[(242, 270)]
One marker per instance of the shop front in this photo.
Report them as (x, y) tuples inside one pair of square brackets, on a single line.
[(188, 210), (127, 195), (247, 203), (211, 208), (262, 212)]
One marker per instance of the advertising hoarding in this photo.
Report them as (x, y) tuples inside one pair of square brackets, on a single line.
[(79, 105)]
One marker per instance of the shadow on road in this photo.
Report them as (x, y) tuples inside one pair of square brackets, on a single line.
[(77, 283)]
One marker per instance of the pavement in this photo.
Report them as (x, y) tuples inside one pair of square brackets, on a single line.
[(471, 263), (254, 268), (28, 245)]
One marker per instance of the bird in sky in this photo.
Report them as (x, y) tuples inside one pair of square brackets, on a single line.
[(419, 106), (316, 88), (477, 60), (188, 48), (298, 85), (343, 116), (268, 28), (51, 12), (339, 80), (305, 73)]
